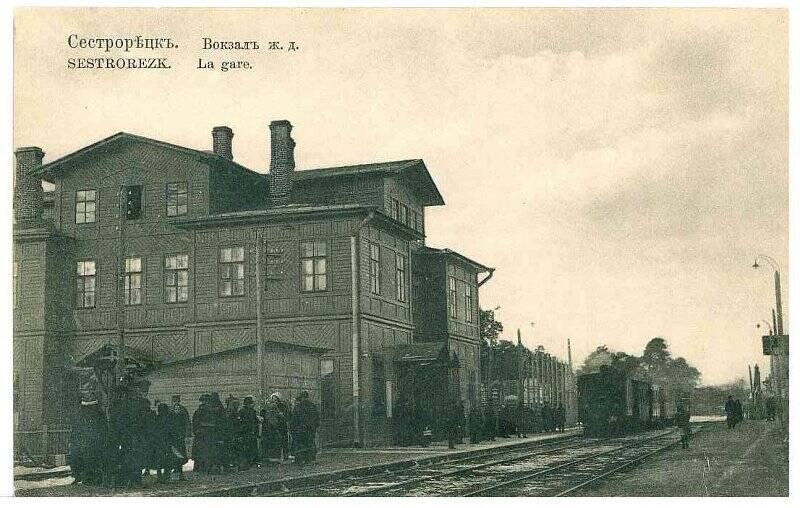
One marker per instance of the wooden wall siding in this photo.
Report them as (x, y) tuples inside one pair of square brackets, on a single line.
[(396, 187), (130, 163), (459, 326), (385, 304), (429, 297), (28, 362), (29, 314), (469, 366), (232, 373), (367, 190), (323, 335)]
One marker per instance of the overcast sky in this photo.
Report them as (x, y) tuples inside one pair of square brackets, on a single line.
[(620, 168)]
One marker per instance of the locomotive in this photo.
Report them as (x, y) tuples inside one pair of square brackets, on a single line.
[(610, 403)]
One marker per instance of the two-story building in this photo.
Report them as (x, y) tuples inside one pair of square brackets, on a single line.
[(230, 280)]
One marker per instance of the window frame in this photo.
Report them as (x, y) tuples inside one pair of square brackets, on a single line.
[(222, 265), (374, 268), (452, 292), (401, 276), (314, 258), (80, 294), (177, 194), (177, 285), (85, 201), (468, 303), (127, 280), (141, 202)]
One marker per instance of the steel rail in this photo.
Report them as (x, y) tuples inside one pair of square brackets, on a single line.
[(557, 467), (445, 474), (622, 467), (490, 452)]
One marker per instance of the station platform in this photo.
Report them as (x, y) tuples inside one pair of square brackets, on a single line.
[(331, 463)]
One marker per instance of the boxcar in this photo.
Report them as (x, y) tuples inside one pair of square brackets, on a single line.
[(611, 404)]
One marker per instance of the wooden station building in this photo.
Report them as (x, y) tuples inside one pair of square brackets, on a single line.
[(246, 283)]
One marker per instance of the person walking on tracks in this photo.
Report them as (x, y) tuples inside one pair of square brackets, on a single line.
[(304, 424), (730, 412), (682, 422)]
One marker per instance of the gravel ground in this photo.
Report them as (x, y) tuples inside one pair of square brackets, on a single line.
[(750, 460)]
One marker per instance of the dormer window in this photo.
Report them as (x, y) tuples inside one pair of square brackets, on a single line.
[(177, 199)]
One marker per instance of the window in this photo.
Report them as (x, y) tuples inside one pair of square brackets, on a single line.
[(400, 276), (378, 387), (395, 209), (176, 278), (231, 271), (86, 285), (417, 222), (313, 266), (327, 389), (403, 214), (133, 281), (133, 202), (15, 277), (375, 268), (452, 297), (177, 199), (85, 206), (467, 303)]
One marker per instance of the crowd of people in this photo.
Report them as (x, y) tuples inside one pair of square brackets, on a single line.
[(417, 426), (123, 446)]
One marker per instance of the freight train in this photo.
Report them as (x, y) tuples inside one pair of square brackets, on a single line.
[(610, 403)]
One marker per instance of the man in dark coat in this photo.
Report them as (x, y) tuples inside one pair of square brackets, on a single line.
[(561, 418), (547, 417), (202, 427), (179, 424), (682, 422), (275, 429), (453, 418), (730, 412), (232, 446), (89, 444), (304, 423), (739, 411), (489, 422), (475, 424), (248, 433), (132, 420), (220, 429)]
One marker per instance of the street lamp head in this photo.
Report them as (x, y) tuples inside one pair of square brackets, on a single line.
[(755, 264)]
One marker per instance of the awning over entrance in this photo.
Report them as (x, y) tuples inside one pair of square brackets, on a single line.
[(421, 353), (106, 356)]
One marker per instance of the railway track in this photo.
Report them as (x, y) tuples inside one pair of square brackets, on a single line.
[(550, 469), (374, 483)]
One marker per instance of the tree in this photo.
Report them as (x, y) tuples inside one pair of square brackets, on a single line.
[(490, 327), (660, 367), (600, 356)]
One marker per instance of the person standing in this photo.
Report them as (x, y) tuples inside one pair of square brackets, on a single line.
[(89, 442), (202, 427), (304, 424), (547, 417), (561, 417), (739, 410), (179, 428), (475, 424), (275, 429), (521, 424), (730, 412), (682, 418), (453, 417), (489, 422), (248, 427)]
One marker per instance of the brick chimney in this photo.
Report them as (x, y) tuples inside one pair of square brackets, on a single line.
[(281, 165), (223, 141), (28, 193)]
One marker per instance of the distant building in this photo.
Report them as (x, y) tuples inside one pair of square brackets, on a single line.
[(168, 247)]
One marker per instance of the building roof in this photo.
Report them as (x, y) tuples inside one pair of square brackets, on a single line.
[(413, 169), (48, 171), (456, 256)]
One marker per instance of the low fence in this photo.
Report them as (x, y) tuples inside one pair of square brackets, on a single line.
[(41, 445)]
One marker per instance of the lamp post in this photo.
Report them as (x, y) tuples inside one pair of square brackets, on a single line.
[(778, 307), (769, 327)]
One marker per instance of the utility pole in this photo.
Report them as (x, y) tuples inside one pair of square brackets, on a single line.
[(120, 287), (259, 323), (519, 366)]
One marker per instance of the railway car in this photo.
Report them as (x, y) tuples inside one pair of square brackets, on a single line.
[(612, 404)]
